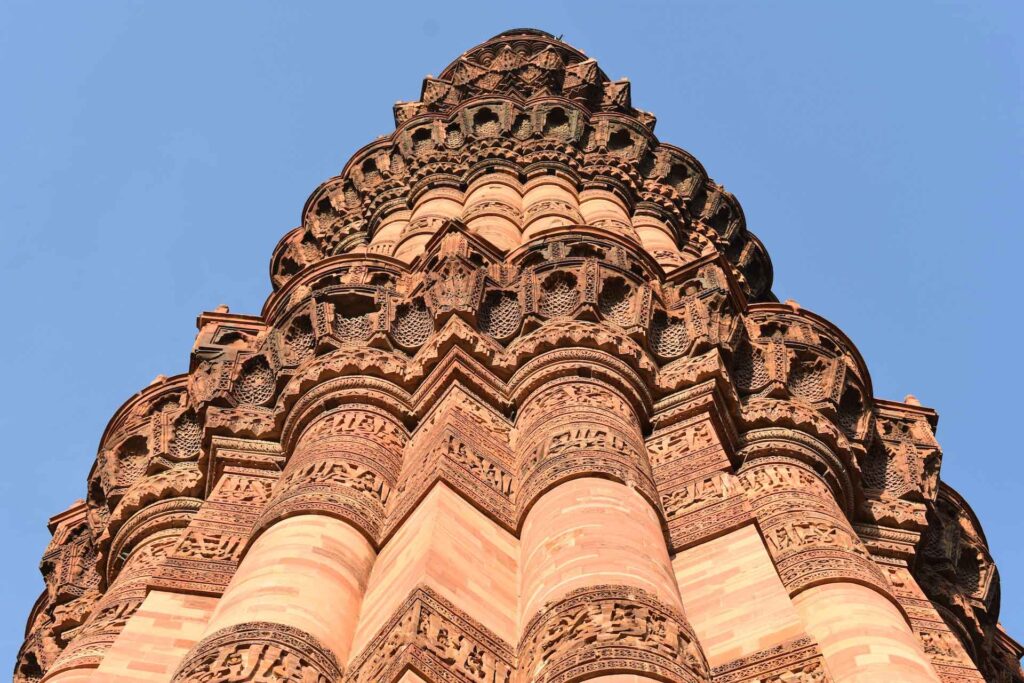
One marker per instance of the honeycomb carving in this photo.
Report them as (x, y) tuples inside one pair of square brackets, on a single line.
[(559, 295), (851, 408), (187, 437), (522, 128), (557, 124), (486, 123), (413, 324), (354, 322), (454, 138), (808, 376), (132, 458), (615, 301), (525, 210), (421, 141), (299, 339), (668, 336), (751, 370), (500, 315)]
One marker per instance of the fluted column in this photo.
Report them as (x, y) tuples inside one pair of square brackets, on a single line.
[(430, 210), (597, 592), (389, 232), (549, 201), (606, 209), (293, 604), (658, 240), (493, 209), (862, 635), (842, 596)]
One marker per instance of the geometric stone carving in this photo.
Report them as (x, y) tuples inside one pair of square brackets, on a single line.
[(432, 635), (208, 553), (795, 661), (523, 296), (807, 535)]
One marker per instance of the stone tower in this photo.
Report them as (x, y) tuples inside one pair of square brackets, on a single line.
[(520, 408)]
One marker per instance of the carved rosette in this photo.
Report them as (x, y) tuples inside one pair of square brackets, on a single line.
[(807, 533), (609, 629), (259, 652), (344, 465), (573, 427)]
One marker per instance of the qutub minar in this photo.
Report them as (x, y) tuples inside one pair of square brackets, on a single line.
[(521, 407)]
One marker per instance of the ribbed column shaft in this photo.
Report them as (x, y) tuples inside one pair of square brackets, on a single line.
[(841, 595), (293, 604), (594, 567), (862, 635), (84, 653)]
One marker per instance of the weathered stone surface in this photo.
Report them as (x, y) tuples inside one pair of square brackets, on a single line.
[(521, 407)]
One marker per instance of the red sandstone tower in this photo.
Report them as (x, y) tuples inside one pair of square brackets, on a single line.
[(520, 408)]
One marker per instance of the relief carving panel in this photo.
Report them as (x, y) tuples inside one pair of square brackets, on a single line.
[(613, 629)]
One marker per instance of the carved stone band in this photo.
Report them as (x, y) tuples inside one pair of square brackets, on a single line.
[(98, 634), (344, 466), (438, 639), (259, 652), (614, 629), (340, 489), (794, 661), (806, 532), (574, 428)]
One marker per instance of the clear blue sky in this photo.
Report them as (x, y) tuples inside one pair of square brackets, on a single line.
[(153, 154)]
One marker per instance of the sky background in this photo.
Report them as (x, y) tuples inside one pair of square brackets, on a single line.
[(153, 154)]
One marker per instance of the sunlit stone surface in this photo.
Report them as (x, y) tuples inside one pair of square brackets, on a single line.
[(521, 407)]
